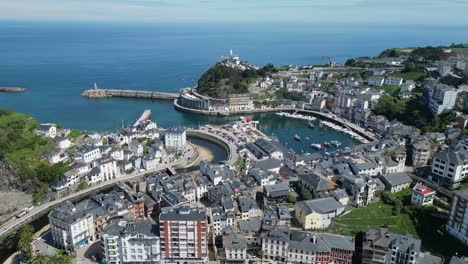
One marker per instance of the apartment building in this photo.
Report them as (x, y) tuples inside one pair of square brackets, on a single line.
[(184, 235), (292, 246), (440, 97), (130, 242), (457, 225), (451, 165), (379, 246), (175, 138)]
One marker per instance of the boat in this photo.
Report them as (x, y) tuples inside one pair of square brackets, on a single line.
[(335, 143), (307, 138), (317, 146), (297, 137), (327, 144), (311, 125)]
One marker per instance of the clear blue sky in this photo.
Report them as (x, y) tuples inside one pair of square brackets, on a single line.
[(420, 12)]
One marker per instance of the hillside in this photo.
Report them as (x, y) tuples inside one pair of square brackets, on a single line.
[(220, 80), (21, 152)]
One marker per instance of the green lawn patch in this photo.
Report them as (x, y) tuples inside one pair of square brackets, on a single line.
[(376, 214), (391, 89), (413, 75), (75, 134)]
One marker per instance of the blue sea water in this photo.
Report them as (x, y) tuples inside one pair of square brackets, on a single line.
[(56, 61)]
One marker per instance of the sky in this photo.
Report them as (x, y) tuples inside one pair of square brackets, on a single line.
[(402, 12)]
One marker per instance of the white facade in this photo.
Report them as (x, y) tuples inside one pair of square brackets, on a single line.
[(375, 81), (75, 233), (109, 169), (175, 138), (444, 68), (129, 242), (63, 143), (451, 164), (47, 130), (422, 195), (391, 80), (441, 97), (89, 154)]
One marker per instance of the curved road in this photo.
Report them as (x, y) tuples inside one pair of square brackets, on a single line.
[(38, 209)]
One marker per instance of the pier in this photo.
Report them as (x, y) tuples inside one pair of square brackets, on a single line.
[(106, 93)]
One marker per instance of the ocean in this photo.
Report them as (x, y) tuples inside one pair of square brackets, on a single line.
[(55, 62)]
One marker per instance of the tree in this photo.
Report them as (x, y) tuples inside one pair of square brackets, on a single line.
[(40, 259), (410, 66), (306, 194), (291, 198), (26, 234), (61, 258)]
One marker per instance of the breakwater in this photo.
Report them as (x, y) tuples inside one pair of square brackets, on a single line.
[(12, 89), (106, 93)]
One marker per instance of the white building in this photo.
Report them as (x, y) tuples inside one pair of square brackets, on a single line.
[(130, 242), (136, 147), (422, 195), (88, 154), (62, 142), (408, 86), (444, 68), (150, 162), (108, 167), (440, 97), (67, 227), (375, 81), (392, 80), (345, 100), (47, 130), (175, 138), (56, 157), (451, 165)]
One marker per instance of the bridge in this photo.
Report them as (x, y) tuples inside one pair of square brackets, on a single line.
[(105, 93)]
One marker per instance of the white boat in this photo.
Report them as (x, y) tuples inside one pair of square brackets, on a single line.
[(317, 146), (335, 143)]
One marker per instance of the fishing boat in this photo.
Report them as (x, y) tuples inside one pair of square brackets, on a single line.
[(297, 137), (335, 143), (311, 125)]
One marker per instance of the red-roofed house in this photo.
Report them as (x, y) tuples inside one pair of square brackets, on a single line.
[(422, 195)]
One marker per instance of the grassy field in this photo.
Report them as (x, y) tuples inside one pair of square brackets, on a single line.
[(421, 222), (409, 75), (376, 214), (391, 89), (19, 143)]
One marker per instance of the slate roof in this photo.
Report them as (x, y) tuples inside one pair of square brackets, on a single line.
[(182, 213), (321, 206), (119, 227), (395, 179)]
